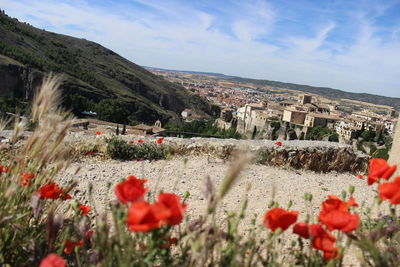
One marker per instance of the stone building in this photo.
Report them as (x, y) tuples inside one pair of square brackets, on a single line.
[(294, 116), (305, 99), (318, 119)]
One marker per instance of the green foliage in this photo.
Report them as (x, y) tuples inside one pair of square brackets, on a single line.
[(368, 135), (360, 146), (78, 103), (382, 153), (276, 125), (334, 137), (202, 128), (388, 142), (111, 110), (374, 140), (118, 148), (14, 105), (372, 149), (319, 132)]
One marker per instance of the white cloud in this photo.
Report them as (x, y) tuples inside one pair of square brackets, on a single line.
[(312, 44), (255, 20), (181, 37)]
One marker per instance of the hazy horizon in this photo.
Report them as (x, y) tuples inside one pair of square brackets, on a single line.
[(352, 46)]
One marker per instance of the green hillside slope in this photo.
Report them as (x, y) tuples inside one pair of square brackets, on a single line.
[(90, 70)]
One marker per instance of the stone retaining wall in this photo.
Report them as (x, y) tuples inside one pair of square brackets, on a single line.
[(303, 155)]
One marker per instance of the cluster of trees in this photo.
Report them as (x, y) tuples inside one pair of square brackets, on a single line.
[(202, 128), (379, 143), (320, 132), (106, 109), (14, 105)]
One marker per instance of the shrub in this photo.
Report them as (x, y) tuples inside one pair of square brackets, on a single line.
[(382, 153), (118, 148)]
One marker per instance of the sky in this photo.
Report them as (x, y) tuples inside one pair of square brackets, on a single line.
[(352, 45)]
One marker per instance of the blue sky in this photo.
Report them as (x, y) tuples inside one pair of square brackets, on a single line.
[(353, 45)]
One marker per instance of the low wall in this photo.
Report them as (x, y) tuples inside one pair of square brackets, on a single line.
[(316, 156)]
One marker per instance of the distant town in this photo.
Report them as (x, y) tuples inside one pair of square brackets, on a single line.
[(251, 108)]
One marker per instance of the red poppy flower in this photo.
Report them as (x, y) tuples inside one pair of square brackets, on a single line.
[(160, 140), (360, 176), (130, 190), (173, 203), (335, 203), (390, 191), (6, 169), (336, 216), (26, 178), (70, 246), (340, 220), (379, 168), (322, 240), (144, 217), (279, 218), (98, 133), (51, 191), (66, 196), (333, 254), (278, 143), (53, 260), (84, 209), (1, 168), (89, 153), (302, 229), (140, 141), (131, 142)]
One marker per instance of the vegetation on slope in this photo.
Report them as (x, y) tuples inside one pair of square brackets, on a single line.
[(90, 70)]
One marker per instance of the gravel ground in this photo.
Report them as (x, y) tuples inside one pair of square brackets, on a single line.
[(176, 176)]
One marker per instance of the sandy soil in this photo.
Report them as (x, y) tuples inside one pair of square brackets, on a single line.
[(178, 177)]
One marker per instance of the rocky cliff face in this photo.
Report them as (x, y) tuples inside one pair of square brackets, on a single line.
[(18, 81)]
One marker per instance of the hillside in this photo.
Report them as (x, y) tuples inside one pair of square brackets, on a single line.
[(334, 94), (90, 71)]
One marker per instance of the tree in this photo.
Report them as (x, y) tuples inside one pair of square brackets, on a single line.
[(78, 103), (111, 110), (123, 129), (368, 135)]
